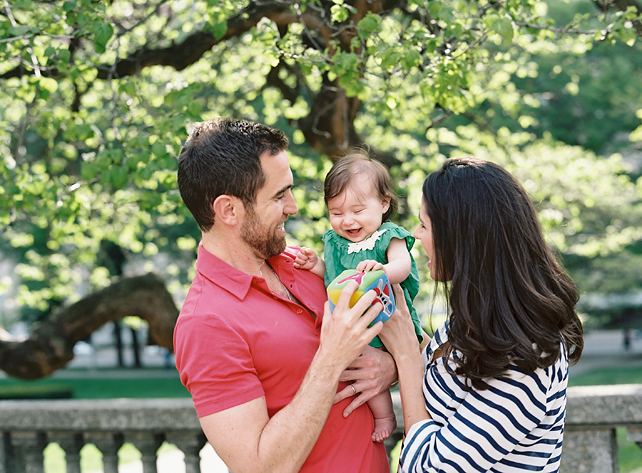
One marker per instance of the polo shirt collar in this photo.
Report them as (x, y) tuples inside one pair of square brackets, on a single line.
[(231, 279)]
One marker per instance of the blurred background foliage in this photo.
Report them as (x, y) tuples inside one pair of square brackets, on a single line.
[(96, 99)]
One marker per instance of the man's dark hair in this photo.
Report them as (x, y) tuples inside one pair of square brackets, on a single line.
[(222, 157), (511, 301)]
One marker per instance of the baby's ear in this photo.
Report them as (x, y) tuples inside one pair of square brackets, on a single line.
[(385, 204)]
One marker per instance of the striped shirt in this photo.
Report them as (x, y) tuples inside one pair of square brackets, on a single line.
[(515, 425)]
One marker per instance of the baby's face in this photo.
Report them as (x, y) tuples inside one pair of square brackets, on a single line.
[(357, 212)]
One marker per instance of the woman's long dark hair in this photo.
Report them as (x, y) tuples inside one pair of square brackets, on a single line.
[(511, 301)]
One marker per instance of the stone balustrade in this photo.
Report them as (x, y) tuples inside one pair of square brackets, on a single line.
[(593, 414)]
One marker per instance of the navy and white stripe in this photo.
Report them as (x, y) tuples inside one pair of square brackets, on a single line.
[(515, 425)]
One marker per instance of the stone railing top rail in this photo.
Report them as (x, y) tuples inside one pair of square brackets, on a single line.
[(617, 405), (99, 415)]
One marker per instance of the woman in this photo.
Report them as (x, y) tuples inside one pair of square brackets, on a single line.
[(493, 394)]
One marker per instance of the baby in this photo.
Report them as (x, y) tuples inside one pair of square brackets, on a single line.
[(360, 199)]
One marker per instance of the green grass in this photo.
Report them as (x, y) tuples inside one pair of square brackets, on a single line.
[(628, 375), (93, 386), (39, 391)]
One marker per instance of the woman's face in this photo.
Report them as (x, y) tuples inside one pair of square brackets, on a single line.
[(423, 233)]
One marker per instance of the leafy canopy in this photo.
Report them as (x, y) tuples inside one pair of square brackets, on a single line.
[(97, 97)]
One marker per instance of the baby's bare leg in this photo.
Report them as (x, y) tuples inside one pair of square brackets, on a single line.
[(384, 416)]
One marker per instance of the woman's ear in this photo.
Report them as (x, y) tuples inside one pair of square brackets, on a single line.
[(228, 209)]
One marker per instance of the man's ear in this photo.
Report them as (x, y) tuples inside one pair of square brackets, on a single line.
[(228, 209)]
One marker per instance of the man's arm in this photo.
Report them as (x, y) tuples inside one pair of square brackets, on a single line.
[(248, 440)]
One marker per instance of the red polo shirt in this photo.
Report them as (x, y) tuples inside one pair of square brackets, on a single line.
[(236, 341)]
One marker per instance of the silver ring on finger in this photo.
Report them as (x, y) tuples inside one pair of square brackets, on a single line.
[(353, 389)]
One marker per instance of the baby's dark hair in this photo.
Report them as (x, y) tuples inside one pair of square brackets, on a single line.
[(339, 177)]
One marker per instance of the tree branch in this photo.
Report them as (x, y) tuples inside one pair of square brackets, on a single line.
[(50, 346)]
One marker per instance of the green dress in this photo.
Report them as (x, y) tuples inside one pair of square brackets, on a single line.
[(341, 254)]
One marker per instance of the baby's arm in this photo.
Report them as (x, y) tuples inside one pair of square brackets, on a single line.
[(308, 259), (399, 262)]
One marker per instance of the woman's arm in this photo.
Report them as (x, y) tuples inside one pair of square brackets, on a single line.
[(398, 335), (485, 428)]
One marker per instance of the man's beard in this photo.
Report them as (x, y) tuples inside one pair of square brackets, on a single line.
[(257, 236)]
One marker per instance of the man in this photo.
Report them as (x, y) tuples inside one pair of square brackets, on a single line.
[(262, 369)]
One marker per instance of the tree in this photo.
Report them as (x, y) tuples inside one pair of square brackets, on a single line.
[(50, 345), (96, 99)]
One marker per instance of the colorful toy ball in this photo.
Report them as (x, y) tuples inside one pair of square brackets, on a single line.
[(376, 280)]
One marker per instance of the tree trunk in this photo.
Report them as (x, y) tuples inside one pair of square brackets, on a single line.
[(50, 346)]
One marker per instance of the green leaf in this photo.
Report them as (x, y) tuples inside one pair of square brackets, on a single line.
[(194, 108), (159, 150), (410, 59), (339, 13), (368, 24), (119, 177), (504, 28), (219, 30), (102, 34), (390, 59), (88, 170), (20, 30)]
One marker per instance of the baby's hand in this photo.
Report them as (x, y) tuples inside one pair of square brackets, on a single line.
[(369, 265), (306, 259)]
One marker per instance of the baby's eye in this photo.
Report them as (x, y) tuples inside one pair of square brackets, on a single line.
[(358, 211)]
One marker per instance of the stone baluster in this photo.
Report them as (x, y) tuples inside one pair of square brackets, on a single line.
[(71, 443), (147, 444), (28, 447), (6, 454), (589, 451), (109, 444), (191, 445)]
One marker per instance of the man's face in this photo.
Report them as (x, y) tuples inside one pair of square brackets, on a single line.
[(263, 228)]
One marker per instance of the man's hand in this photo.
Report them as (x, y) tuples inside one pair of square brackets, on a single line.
[(373, 372)]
